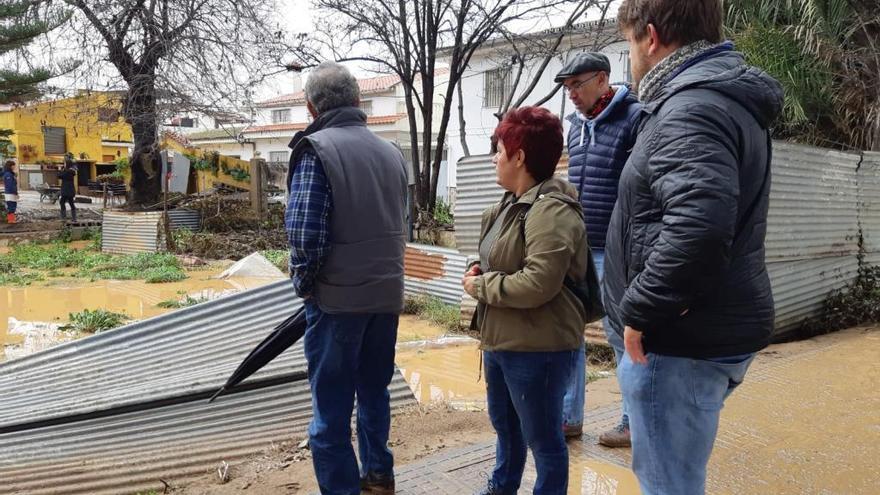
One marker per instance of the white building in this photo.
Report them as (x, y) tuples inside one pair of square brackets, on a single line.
[(489, 78), (279, 119)]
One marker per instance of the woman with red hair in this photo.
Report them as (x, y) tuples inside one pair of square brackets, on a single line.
[(531, 326)]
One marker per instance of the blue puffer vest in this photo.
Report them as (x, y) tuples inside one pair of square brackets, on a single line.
[(598, 148)]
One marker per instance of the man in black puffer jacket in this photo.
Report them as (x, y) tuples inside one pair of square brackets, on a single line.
[(684, 270)]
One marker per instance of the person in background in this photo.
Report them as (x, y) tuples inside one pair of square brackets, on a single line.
[(68, 190), (685, 277), (602, 133), (346, 226), (531, 326), (10, 190)]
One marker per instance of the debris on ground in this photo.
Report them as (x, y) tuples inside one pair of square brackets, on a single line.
[(253, 265)]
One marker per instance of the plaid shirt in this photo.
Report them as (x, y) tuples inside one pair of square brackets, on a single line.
[(307, 221)]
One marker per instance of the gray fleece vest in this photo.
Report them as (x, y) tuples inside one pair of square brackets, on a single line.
[(364, 271)]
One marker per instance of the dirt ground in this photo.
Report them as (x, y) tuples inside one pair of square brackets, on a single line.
[(415, 433)]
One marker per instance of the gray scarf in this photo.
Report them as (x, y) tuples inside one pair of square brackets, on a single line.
[(654, 79)]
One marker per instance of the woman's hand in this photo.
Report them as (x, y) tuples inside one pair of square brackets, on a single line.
[(469, 286), (474, 270)]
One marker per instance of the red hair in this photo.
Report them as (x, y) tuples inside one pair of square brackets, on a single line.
[(537, 132)]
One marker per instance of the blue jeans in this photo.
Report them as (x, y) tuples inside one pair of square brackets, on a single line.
[(575, 392), (524, 392), (11, 206), (349, 354), (674, 405)]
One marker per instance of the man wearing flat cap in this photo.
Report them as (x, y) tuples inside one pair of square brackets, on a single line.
[(602, 133)]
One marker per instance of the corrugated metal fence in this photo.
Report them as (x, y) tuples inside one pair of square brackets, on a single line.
[(114, 412), (129, 233), (821, 203), (434, 271)]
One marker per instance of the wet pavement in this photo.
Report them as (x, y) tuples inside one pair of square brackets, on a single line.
[(805, 421)]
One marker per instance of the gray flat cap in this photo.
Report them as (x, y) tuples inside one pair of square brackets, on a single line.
[(583, 62)]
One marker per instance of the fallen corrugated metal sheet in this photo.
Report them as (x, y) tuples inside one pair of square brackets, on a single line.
[(89, 443), (800, 288), (478, 190), (131, 452), (434, 271), (869, 206), (183, 218), (813, 203), (130, 233)]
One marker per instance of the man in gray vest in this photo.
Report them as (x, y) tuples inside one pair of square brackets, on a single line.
[(345, 221)]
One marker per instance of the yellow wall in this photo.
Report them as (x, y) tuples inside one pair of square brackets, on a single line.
[(206, 179), (78, 115)]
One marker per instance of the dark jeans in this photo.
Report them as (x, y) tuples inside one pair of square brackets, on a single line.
[(11, 206), (68, 200), (349, 354), (524, 392)]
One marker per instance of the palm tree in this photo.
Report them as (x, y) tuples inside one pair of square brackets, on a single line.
[(825, 54)]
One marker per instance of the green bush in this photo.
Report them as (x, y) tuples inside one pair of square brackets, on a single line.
[(94, 321), (443, 213)]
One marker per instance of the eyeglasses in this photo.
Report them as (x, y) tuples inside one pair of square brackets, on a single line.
[(576, 86)]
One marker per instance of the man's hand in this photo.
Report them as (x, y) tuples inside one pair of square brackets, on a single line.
[(469, 286), (632, 341)]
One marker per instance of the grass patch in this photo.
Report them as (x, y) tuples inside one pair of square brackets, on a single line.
[(435, 311), (90, 263), (278, 257), (151, 267), (181, 303), (94, 321)]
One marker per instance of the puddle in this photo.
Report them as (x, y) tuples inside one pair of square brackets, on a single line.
[(444, 374), (411, 329), (135, 298), (592, 477)]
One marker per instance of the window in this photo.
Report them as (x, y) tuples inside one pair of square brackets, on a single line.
[(627, 66), (107, 114), (281, 116), (367, 107), (496, 86), (278, 156), (54, 140)]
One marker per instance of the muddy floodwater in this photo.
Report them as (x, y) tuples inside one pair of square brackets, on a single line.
[(53, 301), (449, 374)]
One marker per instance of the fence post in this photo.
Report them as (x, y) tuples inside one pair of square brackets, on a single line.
[(259, 185)]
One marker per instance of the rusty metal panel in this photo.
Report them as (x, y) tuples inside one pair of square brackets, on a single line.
[(869, 206), (435, 271), (130, 233), (800, 288), (813, 203)]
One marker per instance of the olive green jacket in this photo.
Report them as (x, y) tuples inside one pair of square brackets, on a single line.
[(522, 304)]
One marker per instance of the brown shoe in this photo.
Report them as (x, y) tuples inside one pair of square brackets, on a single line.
[(616, 437), (378, 484), (571, 431)]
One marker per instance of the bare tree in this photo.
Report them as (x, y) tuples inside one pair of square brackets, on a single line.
[(540, 49), (403, 38), (177, 55)]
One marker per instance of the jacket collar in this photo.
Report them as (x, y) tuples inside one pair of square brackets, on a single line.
[(338, 117), (553, 185)]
